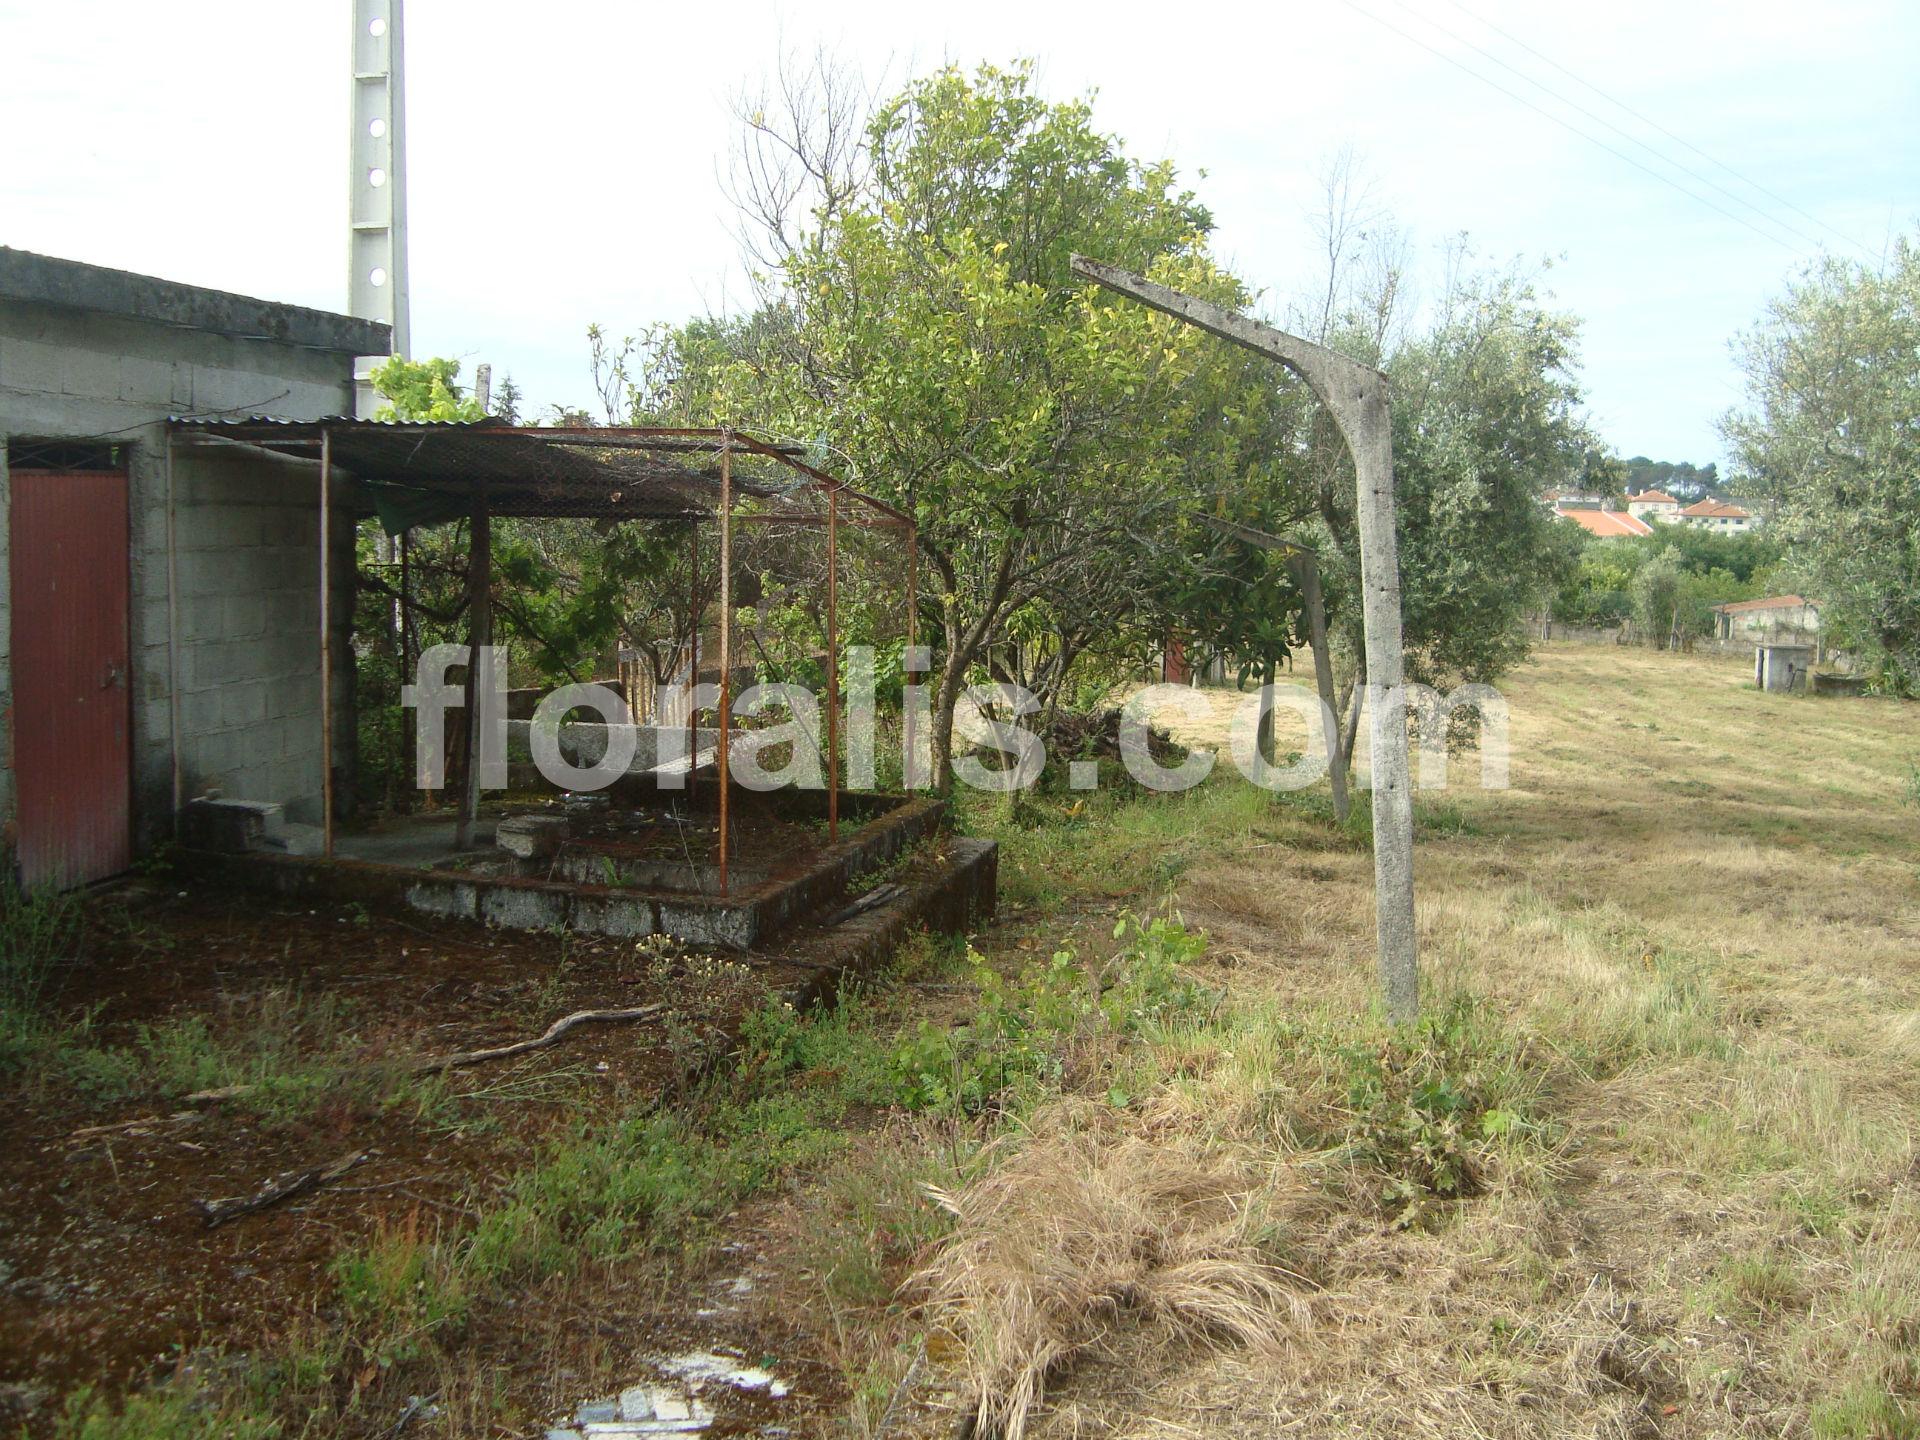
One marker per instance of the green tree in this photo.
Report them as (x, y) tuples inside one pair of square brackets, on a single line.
[(423, 390), (1656, 597), (1683, 480), (1485, 418), (921, 326), (1829, 434)]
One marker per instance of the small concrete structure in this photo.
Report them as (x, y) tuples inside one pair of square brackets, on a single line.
[(219, 669), (1774, 619), (531, 837), (524, 874), (1782, 667), (232, 827)]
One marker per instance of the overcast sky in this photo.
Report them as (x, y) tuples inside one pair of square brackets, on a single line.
[(565, 157)]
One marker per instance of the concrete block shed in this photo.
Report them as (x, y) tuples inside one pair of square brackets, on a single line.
[(159, 618)]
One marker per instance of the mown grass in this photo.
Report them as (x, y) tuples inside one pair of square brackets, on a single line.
[(1702, 944)]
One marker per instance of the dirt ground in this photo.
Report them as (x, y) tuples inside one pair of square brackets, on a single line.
[(109, 1275)]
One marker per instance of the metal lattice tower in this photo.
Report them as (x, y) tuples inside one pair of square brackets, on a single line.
[(377, 185)]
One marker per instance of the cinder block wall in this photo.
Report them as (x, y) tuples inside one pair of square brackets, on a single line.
[(248, 536), (247, 529)]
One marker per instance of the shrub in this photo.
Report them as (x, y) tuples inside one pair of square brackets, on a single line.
[(1428, 1106)]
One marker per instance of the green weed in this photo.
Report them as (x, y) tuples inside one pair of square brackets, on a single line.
[(400, 1289), (1427, 1107), (1020, 1029), (1864, 1412), (39, 934), (177, 1411)]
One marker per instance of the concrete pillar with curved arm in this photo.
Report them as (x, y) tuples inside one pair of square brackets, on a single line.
[(1356, 396)]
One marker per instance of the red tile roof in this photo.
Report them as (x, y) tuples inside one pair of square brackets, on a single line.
[(1652, 497), (1772, 602), (1716, 509), (1609, 523)]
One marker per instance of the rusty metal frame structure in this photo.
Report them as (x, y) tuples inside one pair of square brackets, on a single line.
[(597, 477)]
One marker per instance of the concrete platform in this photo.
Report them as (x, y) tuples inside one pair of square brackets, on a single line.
[(593, 889)]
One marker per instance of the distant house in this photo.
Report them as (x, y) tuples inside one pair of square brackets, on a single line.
[(1722, 517), (1774, 620), (1607, 524), (1654, 506)]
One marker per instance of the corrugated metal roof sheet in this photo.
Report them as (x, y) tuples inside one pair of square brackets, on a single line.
[(617, 473)]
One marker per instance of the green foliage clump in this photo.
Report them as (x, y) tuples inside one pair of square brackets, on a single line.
[(1020, 1028), (179, 1411), (1864, 1412), (1656, 595), (1427, 1105), (423, 390), (39, 933), (1827, 435), (645, 1181), (648, 1179), (1682, 479), (1669, 580), (399, 1290)]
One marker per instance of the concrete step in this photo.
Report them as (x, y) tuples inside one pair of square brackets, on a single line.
[(295, 839), (231, 826)]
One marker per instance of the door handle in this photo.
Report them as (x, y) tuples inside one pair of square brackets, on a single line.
[(116, 675)]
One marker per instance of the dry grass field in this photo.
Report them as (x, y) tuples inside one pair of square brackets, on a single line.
[(1685, 945), (1142, 1160)]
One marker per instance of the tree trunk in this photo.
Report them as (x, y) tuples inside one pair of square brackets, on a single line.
[(1350, 727), (940, 740), (946, 698), (1263, 738)]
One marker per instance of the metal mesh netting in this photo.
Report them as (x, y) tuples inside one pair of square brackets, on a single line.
[(621, 527)]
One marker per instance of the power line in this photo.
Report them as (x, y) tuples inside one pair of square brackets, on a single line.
[(1624, 134), (1569, 126), (1649, 121)]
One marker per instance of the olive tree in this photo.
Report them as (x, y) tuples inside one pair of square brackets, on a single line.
[(1829, 435)]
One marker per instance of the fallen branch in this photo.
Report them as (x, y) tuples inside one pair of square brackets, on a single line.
[(434, 1063), (86, 1132), (281, 1187), (224, 1092), (872, 900), (552, 1033)]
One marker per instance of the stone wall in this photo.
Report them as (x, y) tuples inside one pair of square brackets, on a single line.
[(1562, 634)]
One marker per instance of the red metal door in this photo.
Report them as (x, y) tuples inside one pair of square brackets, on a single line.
[(72, 743)]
